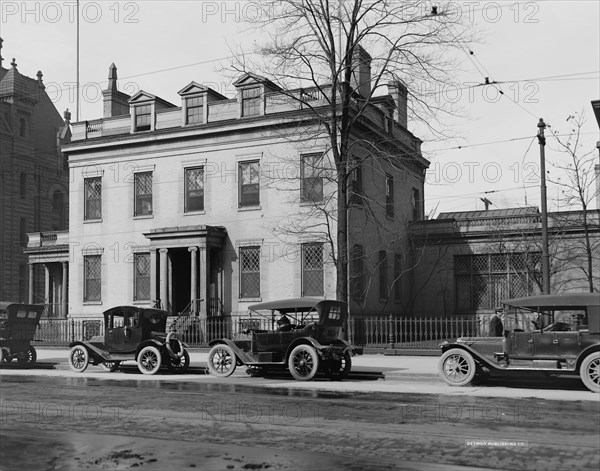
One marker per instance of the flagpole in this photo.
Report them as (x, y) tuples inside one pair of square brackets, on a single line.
[(77, 80)]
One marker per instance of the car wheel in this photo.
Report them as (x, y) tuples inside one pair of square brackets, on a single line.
[(180, 364), (79, 358), (303, 363), (339, 369), (29, 356), (589, 372), (149, 360), (221, 361), (111, 366), (457, 367)]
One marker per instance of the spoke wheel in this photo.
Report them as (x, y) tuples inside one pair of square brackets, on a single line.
[(149, 360), (457, 367), (180, 364), (221, 361), (590, 372), (111, 366), (303, 363), (30, 356), (79, 358), (337, 369)]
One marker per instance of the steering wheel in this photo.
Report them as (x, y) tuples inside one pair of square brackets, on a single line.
[(536, 324)]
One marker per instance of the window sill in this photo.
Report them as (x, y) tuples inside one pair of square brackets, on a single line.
[(310, 203), (144, 216), (92, 303), (194, 213), (250, 300), (141, 302), (92, 221), (249, 208)]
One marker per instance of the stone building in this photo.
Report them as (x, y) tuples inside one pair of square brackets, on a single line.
[(34, 185), (211, 204)]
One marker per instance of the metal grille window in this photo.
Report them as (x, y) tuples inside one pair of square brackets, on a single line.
[(92, 278), (357, 285), (383, 281), (143, 118), (312, 269), (194, 189), (194, 110), (249, 191), (249, 272), (483, 281), (143, 193), (389, 196), (251, 101), (311, 178), (141, 262), (93, 198)]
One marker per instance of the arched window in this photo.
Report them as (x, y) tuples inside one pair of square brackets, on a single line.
[(57, 200)]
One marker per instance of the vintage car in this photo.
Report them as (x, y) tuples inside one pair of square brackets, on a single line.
[(132, 334), (18, 323), (306, 335), (555, 334)]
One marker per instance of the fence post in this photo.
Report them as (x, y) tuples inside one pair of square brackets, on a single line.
[(72, 330), (391, 333)]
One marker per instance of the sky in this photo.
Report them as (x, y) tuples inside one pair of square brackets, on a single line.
[(544, 56)]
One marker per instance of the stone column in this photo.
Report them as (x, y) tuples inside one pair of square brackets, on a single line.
[(194, 277), (164, 275), (153, 294), (30, 294), (46, 285), (203, 280), (63, 301)]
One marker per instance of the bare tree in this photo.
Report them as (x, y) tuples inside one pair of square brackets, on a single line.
[(579, 188), (317, 48)]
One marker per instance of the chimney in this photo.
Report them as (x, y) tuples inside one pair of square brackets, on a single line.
[(115, 102), (361, 72), (399, 93)]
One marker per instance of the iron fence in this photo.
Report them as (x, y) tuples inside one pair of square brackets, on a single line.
[(417, 332)]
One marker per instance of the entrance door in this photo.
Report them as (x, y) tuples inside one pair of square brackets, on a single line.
[(181, 279)]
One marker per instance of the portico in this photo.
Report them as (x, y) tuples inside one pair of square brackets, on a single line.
[(186, 274)]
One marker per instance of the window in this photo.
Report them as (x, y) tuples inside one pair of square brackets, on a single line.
[(312, 179), (23, 231), (383, 281), (358, 269), (416, 205), (143, 118), (356, 183), (143, 194), (194, 110), (249, 272), (141, 262), (22, 127), (312, 269), (389, 196), (397, 275), (389, 120), (92, 278), (93, 198), (251, 101), (23, 185), (482, 281), (194, 189), (249, 184)]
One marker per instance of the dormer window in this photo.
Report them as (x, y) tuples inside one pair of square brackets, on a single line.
[(251, 101), (143, 118), (194, 110)]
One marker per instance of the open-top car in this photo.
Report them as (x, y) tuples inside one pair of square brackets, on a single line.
[(132, 333), (555, 334), (18, 324), (305, 334)]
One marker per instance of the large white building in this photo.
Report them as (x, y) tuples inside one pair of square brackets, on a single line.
[(212, 204)]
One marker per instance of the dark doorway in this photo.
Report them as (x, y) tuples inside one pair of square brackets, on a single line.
[(181, 279)]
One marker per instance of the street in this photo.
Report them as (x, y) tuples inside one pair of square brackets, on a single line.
[(124, 420)]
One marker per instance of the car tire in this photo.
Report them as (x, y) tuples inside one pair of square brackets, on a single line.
[(111, 366), (149, 360), (79, 358), (337, 370), (30, 356), (457, 367), (221, 361), (181, 364), (303, 362), (589, 371)]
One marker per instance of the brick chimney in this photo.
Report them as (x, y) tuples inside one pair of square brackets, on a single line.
[(361, 72), (115, 102), (399, 93)]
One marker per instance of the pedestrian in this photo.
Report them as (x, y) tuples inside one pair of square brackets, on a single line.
[(496, 326)]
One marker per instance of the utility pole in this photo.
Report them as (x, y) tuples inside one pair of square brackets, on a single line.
[(545, 256)]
